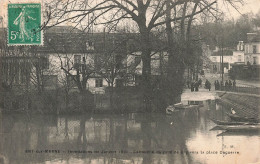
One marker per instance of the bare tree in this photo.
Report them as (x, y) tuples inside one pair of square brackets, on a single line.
[(146, 14), (77, 66)]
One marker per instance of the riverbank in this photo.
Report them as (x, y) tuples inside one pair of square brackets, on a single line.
[(121, 100), (244, 104)]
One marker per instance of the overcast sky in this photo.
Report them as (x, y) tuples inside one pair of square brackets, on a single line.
[(249, 6)]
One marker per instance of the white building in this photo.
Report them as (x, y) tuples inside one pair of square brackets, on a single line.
[(252, 49), (69, 54), (230, 57)]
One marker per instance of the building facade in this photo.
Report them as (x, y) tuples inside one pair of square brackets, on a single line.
[(230, 58), (72, 59), (252, 49)]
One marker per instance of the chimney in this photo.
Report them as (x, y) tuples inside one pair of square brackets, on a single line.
[(250, 36), (240, 46)]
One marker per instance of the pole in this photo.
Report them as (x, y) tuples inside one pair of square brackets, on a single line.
[(222, 64)]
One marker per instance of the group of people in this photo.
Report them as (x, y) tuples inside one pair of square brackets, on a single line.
[(194, 85), (227, 86)]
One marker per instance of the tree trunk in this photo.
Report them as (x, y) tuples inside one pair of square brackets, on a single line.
[(170, 69), (146, 69), (175, 66)]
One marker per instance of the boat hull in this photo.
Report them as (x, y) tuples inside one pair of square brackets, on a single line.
[(240, 127), (237, 118), (218, 122), (180, 106)]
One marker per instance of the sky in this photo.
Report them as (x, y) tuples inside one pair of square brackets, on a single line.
[(249, 6)]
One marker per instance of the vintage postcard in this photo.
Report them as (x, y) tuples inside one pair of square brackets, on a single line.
[(129, 82)]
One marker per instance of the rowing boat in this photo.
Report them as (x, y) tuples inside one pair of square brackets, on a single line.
[(240, 127), (170, 109), (181, 106), (219, 122), (237, 118), (239, 133)]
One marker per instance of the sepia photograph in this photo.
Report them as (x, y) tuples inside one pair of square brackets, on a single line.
[(129, 81)]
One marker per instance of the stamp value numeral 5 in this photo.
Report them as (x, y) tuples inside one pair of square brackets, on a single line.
[(14, 35)]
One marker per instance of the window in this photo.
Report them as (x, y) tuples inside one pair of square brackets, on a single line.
[(99, 83), (77, 59), (214, 59), (239, 58), (137, 59), (89, 45), (254, 49), (254, 60)]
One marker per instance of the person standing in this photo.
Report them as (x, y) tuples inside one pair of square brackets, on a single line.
[(230, 84), (196, 86), (188, 83), (234, 84), (218, 85), (226, 85), (207, 85), (200, 82), (192, 86), (221, 85)]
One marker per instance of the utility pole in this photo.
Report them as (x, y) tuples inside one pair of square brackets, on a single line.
[(222, 64)]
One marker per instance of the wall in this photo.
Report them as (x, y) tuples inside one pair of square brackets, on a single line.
[(236, 56)]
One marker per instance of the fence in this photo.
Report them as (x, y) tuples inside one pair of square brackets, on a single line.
[(243, 89)]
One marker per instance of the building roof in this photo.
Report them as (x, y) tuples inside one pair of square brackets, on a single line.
[(253, 37), (67, 39), (225, 53)]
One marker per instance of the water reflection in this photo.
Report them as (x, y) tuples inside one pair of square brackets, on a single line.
[(133, 138)]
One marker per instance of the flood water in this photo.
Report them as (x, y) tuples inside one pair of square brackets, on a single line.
[(184, 137)]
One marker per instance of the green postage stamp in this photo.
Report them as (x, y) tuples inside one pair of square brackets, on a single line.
[(24, 24)]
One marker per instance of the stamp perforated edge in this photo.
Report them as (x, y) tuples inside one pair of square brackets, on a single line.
[(42, 31)]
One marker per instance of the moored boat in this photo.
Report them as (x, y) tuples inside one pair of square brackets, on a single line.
[(219, 122), (180, 106), (240, 127), (170, 109), (237, 118)]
